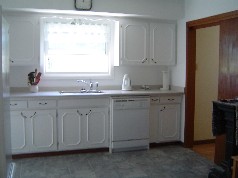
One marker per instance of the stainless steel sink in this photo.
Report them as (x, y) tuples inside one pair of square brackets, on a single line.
[(81, 91)]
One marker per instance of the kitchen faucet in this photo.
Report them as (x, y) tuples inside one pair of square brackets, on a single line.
[(90, 84)]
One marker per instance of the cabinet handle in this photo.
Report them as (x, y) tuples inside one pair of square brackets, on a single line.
[(33, 115), (153, 61), (143, 61), (171, 99), (79, 113), (163, 108), (154, 99), (15, 104), (23, 115), (43, 103), (89, 112)]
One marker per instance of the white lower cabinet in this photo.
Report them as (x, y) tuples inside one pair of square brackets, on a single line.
[(33, 131), (82, 128), (165, 119), (168, 123)]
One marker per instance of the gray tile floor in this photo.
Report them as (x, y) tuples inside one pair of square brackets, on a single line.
[(161, 162)]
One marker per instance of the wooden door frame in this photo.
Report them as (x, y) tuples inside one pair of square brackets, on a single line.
[(191, 27)]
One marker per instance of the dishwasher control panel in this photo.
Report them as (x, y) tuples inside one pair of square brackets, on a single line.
[(129, 103)]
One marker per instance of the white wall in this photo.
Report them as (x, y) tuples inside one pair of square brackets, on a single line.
[(195, 9), (162, 9)]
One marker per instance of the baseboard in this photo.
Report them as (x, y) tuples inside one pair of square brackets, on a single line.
[(57, 153), (199, 142), (153, 145)]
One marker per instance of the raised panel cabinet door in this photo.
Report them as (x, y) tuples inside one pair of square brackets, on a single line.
[(69, 129), (43, 130), (18, 132), (154, 114), (134, 43), (169, 123), (163, 43), (22, 40), (97, 127)]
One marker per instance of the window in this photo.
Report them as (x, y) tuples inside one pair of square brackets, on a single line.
[(78, 47)]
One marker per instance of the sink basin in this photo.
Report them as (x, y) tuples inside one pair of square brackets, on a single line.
[(80, 91)]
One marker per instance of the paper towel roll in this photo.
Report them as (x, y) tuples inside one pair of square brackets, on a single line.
[(165, 80)]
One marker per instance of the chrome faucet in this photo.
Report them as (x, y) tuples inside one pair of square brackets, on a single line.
[(90, 84)]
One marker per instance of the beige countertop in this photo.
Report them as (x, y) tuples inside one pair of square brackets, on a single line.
[(105, 93)]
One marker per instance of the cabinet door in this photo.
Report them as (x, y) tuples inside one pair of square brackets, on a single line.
[(22, 40), (18, 132), (43, 130), (154, 114), (162, 43), (134, 43), (169, 122), (69, 129), (97, 127)]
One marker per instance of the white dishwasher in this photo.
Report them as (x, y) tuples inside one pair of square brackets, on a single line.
[(129, 123)]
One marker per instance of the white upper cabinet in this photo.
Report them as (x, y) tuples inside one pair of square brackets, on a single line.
[(134, 43), (22, 40), (143, 43), (162, 43)]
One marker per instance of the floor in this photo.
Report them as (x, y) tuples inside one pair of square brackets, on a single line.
[(160, 162), (206, 150)]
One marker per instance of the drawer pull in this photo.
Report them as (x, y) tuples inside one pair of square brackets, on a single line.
[(155, 99), (15, 104), (43, 103), (171, 99)]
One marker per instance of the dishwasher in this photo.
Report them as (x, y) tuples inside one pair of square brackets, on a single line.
[(129, 123)]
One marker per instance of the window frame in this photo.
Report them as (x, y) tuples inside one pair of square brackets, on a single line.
[(113, 50)]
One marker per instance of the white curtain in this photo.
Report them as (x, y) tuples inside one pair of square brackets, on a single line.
[(76, 36)]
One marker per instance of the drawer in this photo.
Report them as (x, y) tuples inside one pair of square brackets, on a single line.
[(42, 104), (18, 104), (170, 99), (76, 103)]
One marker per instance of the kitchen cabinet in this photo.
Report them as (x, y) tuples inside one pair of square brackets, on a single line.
[(32, 130), (165, 119), (23, 49), (86, 126), (143, 43), (134, 42)]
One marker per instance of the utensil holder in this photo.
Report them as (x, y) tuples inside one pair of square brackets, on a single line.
[(34, 88)]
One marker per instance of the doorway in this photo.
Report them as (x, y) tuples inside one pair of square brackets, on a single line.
[(206, 81)]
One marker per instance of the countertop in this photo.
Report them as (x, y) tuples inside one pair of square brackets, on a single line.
[(104, 93)]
